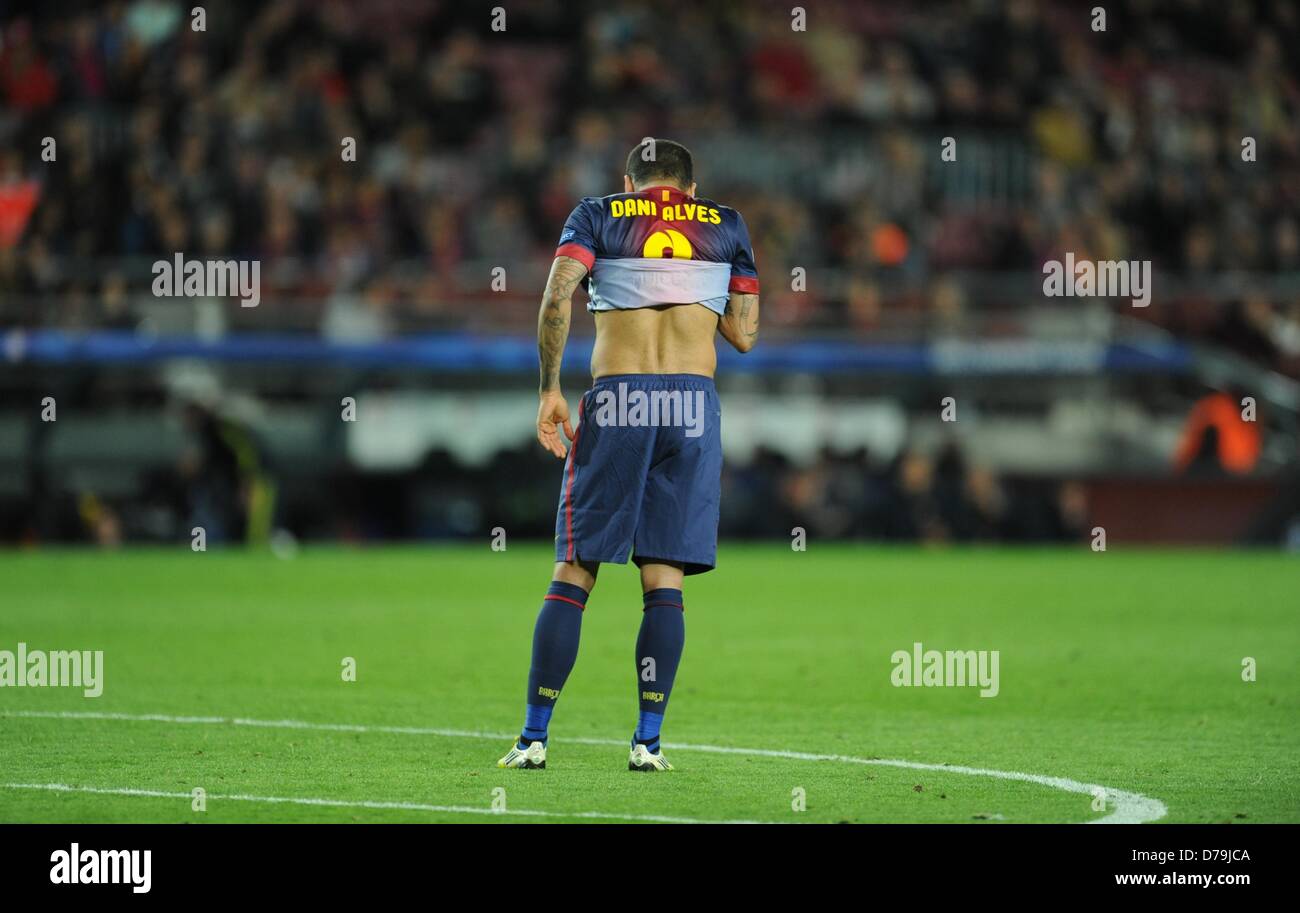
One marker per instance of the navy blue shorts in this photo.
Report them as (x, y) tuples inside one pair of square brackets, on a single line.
[(644, 473)]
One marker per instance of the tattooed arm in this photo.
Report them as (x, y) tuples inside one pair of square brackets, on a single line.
[(739, 323), (552, 333)]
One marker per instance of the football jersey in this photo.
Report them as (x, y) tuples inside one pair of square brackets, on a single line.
[(657, 246)]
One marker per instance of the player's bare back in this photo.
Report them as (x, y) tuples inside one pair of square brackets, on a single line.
[(668, 339)]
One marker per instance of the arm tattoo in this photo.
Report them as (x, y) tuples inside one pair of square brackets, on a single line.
[(748, 321), (553, 318), (745, 323)]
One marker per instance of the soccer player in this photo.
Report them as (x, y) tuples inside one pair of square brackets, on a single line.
[(664, 272)]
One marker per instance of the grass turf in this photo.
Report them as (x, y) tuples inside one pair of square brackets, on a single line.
[(1122, 669)]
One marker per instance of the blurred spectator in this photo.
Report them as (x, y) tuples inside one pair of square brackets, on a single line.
[(1217, 438)]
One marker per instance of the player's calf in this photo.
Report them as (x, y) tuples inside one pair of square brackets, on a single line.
[(658, 653), (555, 649)]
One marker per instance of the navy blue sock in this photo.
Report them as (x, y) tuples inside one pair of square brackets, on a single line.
[(658, 652), (555, 649)]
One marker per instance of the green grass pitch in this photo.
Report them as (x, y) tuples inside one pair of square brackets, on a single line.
[(1122, 669)]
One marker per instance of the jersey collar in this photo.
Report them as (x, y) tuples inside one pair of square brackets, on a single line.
[(663, 193)]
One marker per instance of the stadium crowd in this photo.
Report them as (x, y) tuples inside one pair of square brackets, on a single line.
[(472, 145)]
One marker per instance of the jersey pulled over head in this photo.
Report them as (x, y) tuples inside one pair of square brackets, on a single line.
[(659, 244)]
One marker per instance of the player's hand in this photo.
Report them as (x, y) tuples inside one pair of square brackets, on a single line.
[(553, 412)]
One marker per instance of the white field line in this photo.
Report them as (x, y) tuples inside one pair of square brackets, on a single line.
[(1126, 807), (361, 803)]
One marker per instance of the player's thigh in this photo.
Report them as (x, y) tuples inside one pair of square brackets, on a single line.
[(679, 516), (601, 490)]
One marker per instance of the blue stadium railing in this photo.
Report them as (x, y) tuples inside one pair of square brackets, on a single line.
[(465, 352)]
